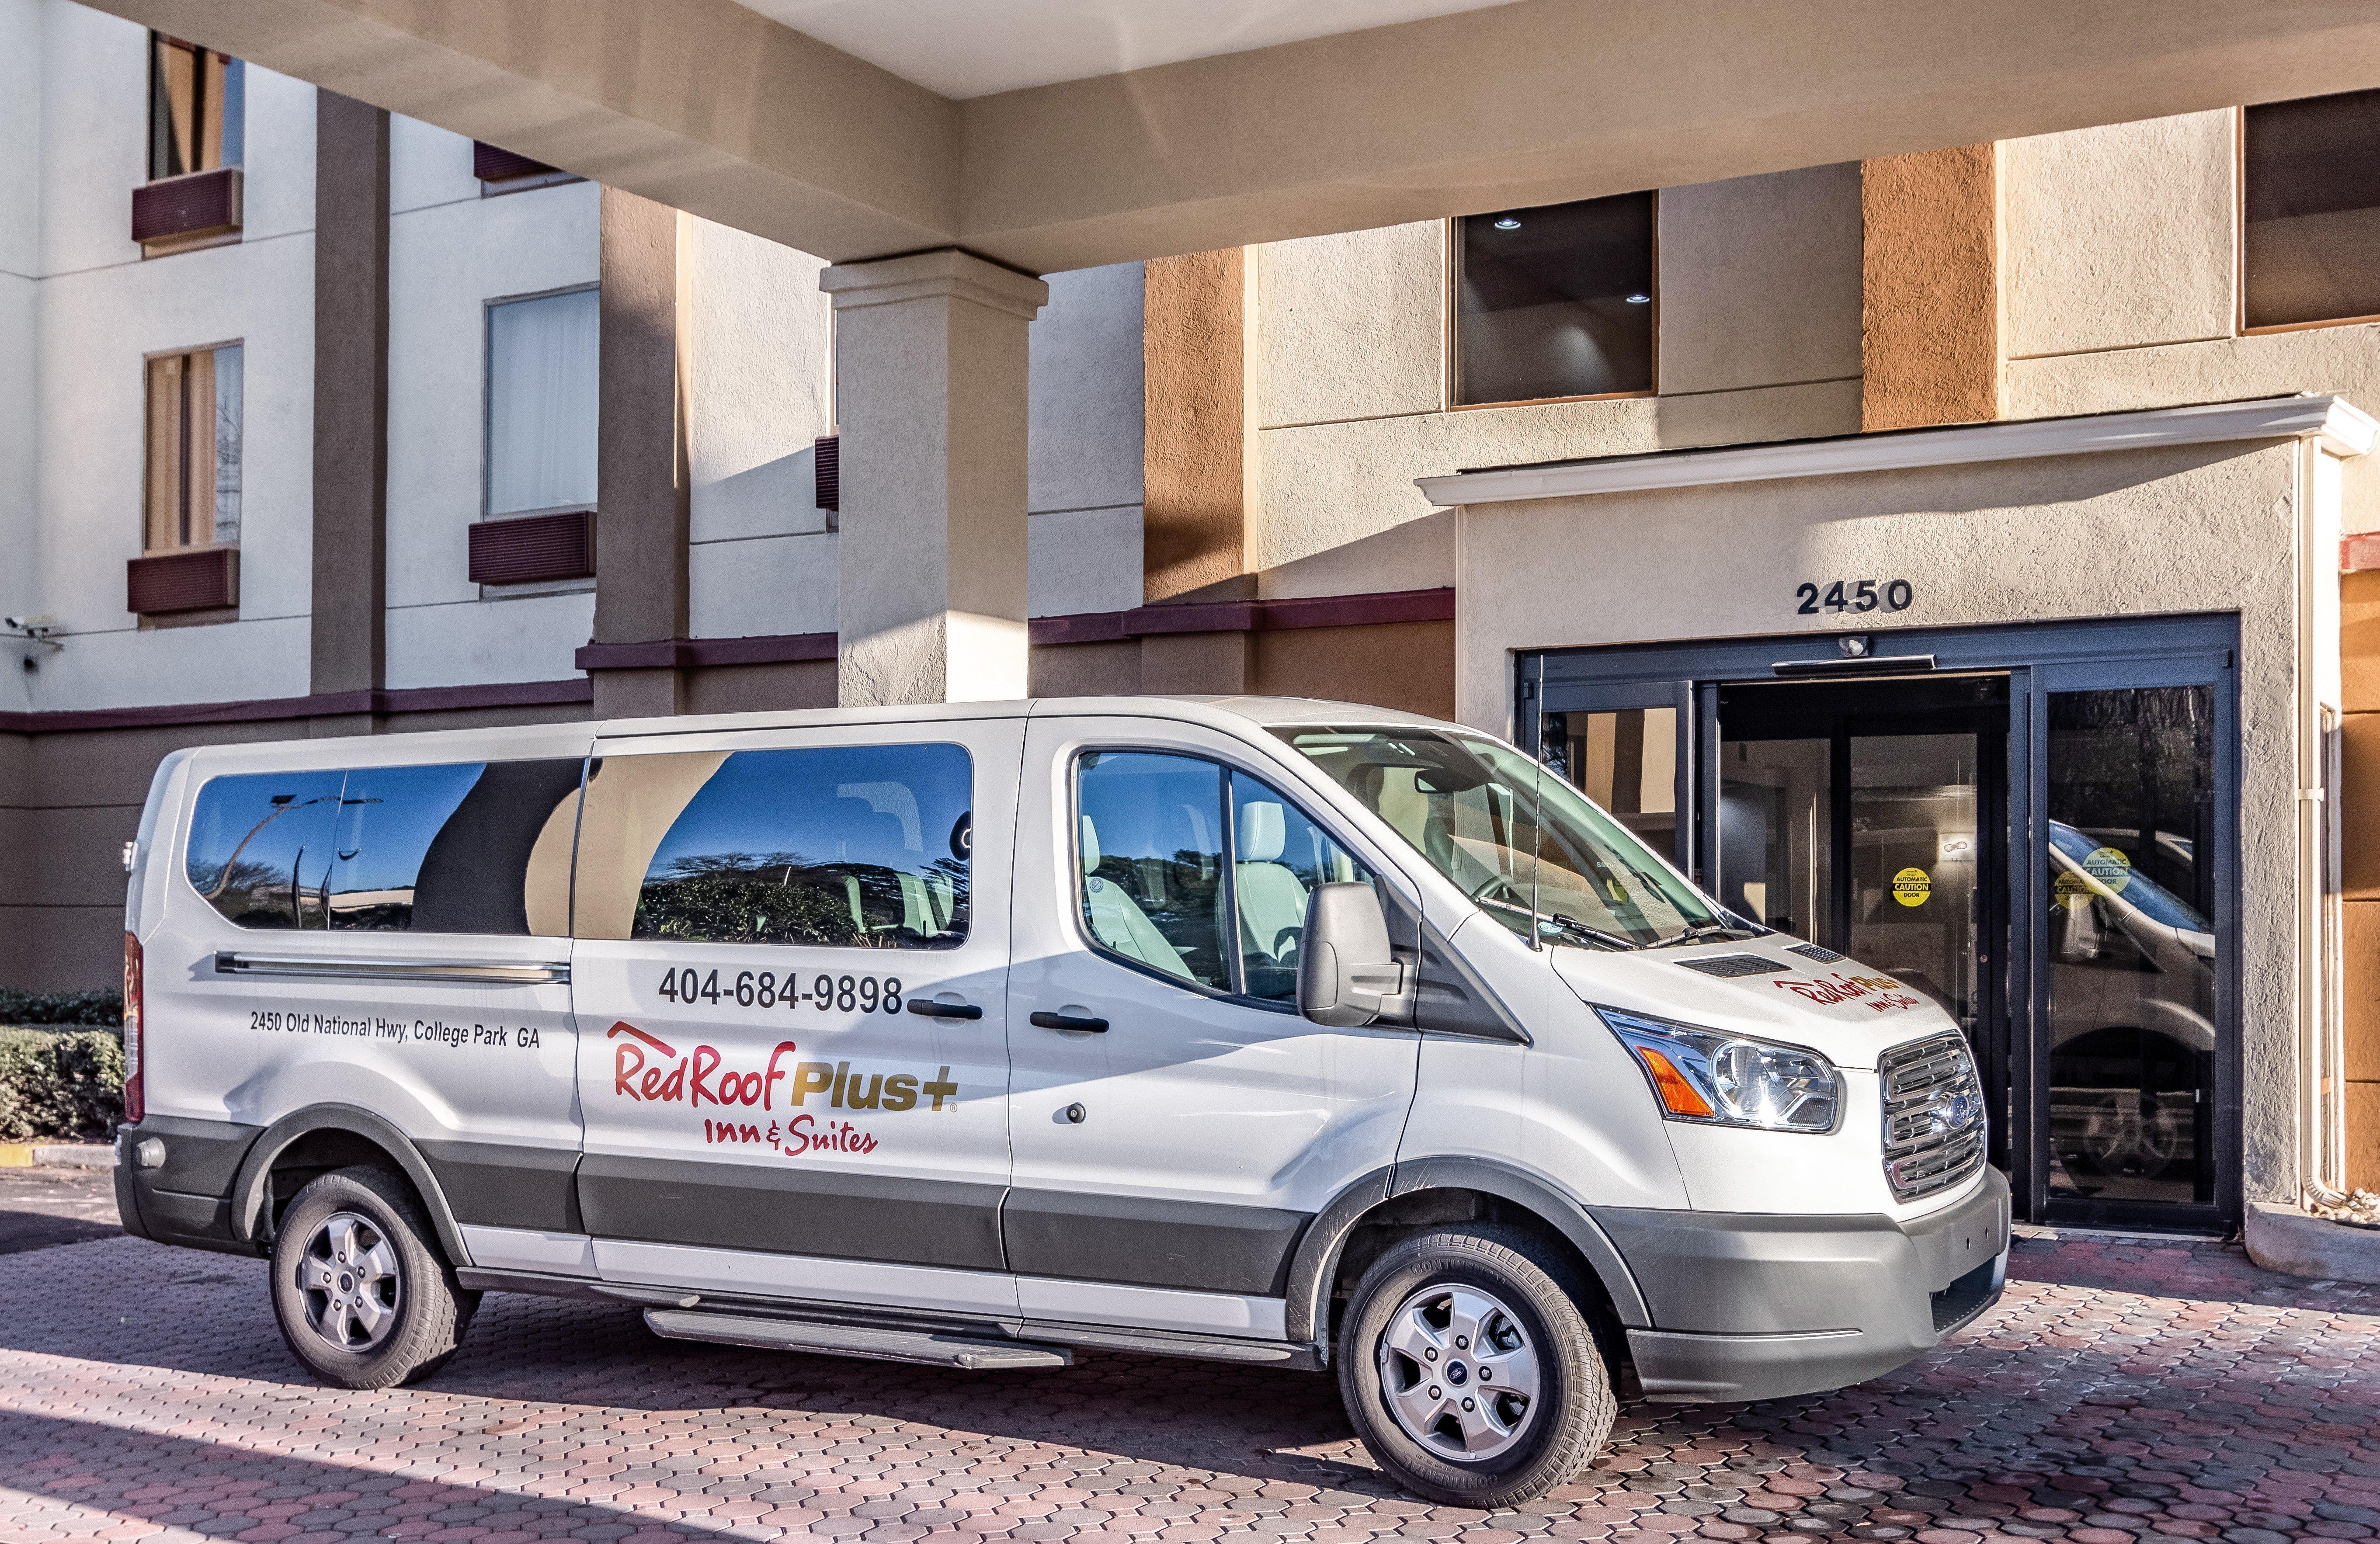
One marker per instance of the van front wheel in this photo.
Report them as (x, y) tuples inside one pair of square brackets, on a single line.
[(361, 1296), (1469, 1371)]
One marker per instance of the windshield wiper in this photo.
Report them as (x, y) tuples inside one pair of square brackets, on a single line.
[(1593, 935), (1705, 930)]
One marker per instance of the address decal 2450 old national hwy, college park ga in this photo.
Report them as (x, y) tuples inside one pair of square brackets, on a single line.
[(649, 1070)]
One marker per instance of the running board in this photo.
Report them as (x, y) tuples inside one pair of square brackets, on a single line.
[(851, 1340)]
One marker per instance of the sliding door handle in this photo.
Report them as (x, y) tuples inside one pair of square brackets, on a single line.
[(926, 1007), (1070, 1021)]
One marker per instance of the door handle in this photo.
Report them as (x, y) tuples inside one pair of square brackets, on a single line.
[(926, 1007), (1070, 1021)]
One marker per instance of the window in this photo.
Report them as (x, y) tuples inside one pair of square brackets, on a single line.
[(197, 111), (1555, 301), (541, 395), (194, 443), (471, 847), (861, 846), (2311, 226), (1516, 837), (1156, 888)]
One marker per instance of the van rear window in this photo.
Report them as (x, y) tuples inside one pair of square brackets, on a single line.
[(852, 846), (468, 847)]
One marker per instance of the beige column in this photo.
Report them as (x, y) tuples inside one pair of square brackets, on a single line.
[(1930, 282), (929, 354), (1194, 525)]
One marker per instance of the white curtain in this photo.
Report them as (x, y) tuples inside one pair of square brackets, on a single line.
[(542, 394), (227, 426)]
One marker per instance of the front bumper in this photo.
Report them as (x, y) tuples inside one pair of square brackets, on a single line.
[(1761, 1307)]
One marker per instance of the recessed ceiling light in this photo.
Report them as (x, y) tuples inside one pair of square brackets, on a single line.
[(1507, 223), (1640, 299)]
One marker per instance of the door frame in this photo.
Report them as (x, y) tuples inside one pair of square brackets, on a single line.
[(2038, 658)]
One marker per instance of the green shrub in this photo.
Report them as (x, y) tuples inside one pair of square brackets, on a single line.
[(18, 1006), (60, 1084)]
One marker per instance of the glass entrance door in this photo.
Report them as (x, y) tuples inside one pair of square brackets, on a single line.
[(2131, 965), (1870, 817), (2038, 827)]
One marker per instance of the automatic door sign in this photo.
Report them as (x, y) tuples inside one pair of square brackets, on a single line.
[(2105, 872), (1912, 886)]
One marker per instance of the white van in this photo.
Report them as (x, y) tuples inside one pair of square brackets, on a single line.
[(1265, 1030)]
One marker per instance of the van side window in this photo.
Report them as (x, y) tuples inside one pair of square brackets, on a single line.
[(1152, 844), (466, 847), (1150, 847), (857, 847), (1279, 856)]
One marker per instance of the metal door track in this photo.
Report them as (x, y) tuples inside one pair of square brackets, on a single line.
[(850, 1340)]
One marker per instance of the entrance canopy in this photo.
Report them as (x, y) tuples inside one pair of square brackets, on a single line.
[(1057, 134)]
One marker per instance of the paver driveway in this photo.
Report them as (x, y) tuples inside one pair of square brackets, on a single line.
[(2120, 1393)]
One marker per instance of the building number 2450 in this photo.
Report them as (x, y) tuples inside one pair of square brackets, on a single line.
[(1855, 595)]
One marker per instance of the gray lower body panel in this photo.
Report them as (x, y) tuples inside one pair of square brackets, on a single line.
[(1761, 1307), (796, 1211), (186, 1199)]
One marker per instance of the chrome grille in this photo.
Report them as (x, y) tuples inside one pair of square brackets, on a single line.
[(1933, 1115)]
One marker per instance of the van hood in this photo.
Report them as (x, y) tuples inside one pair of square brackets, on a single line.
[(1848, 1012)]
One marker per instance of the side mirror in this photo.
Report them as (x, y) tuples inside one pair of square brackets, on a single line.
[(1346, 972)]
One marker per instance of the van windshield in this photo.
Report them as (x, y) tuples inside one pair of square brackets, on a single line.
[(1526, 846)]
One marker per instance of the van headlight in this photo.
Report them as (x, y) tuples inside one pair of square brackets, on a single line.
[(1715, 1079)]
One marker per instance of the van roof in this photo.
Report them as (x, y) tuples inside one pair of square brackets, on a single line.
[(1252, 710), (1222, 713)]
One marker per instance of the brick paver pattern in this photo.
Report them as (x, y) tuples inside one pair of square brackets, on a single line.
[(2119, 1393)]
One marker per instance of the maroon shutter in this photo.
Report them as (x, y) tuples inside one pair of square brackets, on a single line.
[(207, 579), (490, 163), (830, 473), (203, 204), (534, 547)]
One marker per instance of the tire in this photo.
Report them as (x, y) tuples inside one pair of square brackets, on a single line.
[(1513, 1291), (358, 1288)]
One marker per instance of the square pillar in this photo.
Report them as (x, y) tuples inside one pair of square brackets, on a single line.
[(930, 403), (348, 643), (642, 497)]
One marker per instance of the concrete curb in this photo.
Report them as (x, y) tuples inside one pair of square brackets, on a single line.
[(55, 1155), (2287, 1238)]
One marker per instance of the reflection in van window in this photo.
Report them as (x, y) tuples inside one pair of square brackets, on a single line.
[(1151, 849), (857, 847), (467, 847)]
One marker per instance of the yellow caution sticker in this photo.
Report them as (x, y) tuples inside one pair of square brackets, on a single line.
[(2105, 872), (1912, 886)]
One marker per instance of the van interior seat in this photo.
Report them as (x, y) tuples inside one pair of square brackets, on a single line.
[(1116, 919), (1271, 897)]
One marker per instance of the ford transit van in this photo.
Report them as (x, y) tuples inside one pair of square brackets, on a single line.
[(1283, 1032)]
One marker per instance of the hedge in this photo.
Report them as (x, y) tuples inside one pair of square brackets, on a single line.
[(60, 1084), (95, 1008)]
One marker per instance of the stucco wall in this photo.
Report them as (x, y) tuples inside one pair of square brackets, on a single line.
[(2119, 238), (2202, 528), (101, 309), (1346, 375), (1083, 468), (759, 393), (451, 252)]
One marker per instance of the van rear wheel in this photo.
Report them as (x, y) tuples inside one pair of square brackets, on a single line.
[(1470, 1370), (361, 1293)]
